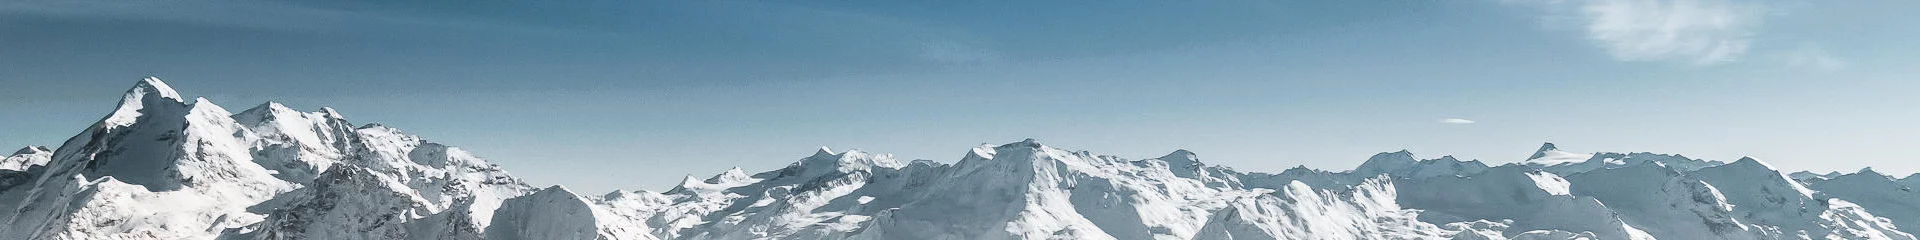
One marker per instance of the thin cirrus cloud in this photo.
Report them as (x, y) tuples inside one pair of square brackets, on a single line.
[(1811, 56), (1456, 121), (1697, 32)]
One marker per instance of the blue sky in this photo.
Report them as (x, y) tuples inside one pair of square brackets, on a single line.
[(606, 94)]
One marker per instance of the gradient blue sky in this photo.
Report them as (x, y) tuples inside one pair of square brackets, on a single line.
[(634, 94)]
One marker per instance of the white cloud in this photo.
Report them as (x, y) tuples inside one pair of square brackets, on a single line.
[(1811, 56), (1456, 121), (1698, 32)]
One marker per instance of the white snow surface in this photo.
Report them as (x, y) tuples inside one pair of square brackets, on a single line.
[(161, 167)]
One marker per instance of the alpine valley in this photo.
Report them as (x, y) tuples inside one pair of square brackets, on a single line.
[(160, 166)]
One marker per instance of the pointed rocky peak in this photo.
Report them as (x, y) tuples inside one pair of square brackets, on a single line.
[(1180, 157), (26, 159), (689, 180), (1299, 170), (1749, 172), (1544, 148), (1387, 162), (1748, 163), (852, 159), (1403, 153), (331, 114), (824, 152), (1028, 143), (1865, 174), (153, 85), (555, 190), (1400, 156), (272, 107), (32, 150), (1750, 166), (1869, 171), (982, 152), (1549, 156), (149, 96), (205, 107), (731, 176), (1181, 154), (688, 183), (276, 112), (263, 113), (1806, 176)]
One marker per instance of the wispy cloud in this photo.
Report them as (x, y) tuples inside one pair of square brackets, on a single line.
[(1811, 56), (1698, 32), (1456, 121)]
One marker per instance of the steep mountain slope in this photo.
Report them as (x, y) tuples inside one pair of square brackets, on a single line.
[(1764, 196), (161, 167), (1677, 207), (1879, 194)]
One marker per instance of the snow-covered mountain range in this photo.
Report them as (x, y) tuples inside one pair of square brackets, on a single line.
[(160, 166)]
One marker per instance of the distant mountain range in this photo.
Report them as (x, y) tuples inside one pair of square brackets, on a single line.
[(160, 166)]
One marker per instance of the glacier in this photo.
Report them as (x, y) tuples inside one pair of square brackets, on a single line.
[(161, 166)]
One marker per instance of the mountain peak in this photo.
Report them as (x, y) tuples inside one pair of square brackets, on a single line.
[(1180, 156), (269, 107), (1749, 162), (149, 96), (32, 150), (1028, 143), (687, 183), (261, 113), (330, 113), (1387, 162), (984, 151), (1869, 170), (1544, 148), (1395, 156), (824, 152), (731, 176), (154, 86), (275, 106), (555, 190)]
